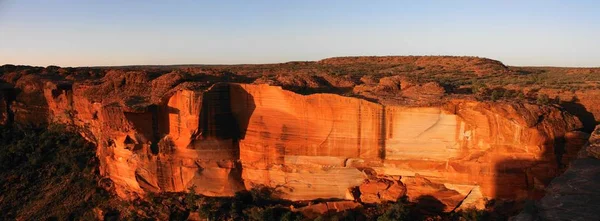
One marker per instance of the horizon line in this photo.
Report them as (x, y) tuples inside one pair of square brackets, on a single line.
[(293, 61)]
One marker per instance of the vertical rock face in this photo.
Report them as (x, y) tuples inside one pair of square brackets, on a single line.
[(29, 106), (186, 141), (231, 137), (189, 139), (574, 194), (305, 143), (318, 146)]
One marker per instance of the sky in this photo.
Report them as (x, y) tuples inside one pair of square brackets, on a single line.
[(136, 32)]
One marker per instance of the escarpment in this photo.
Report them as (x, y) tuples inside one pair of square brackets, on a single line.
[(174, 131), (231, 137)]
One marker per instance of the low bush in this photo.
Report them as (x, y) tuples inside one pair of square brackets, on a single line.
[(398, 211)]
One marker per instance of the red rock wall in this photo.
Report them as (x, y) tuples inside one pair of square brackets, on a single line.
[(502, 149), (303, 143), (235, 136)]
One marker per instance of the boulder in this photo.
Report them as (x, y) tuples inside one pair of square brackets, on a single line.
[(381, 190)]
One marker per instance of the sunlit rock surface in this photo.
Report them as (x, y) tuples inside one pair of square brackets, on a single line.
[(504, 149), (158, 134), (235, 136)]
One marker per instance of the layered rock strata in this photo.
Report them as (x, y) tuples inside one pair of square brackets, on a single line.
[(232, 137)]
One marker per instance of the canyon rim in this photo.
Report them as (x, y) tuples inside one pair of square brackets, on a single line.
[(347, 131)]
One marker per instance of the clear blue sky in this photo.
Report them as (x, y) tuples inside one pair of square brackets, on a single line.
[(120, 32)]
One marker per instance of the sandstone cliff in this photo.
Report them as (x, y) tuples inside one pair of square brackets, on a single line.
[(574, 194), (168, 132)]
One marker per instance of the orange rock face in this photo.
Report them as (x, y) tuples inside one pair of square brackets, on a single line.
[(153, 136), (573, 194), (381, 190), (317, 146), (185, 142)]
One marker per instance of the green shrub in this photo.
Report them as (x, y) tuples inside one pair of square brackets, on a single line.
[(521, 95), (398, 211), (473, 214), (262, 195), (478, 87), (191, 198), (209, 209), (260, 214), (496, 95), (543, 99), (508, 94), (292, 216)]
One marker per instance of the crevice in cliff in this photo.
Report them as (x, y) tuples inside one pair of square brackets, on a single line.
[(382, 134), (468, 197), (156, 136), (145, 185), (216, 118), (358, 131), (439, 117)]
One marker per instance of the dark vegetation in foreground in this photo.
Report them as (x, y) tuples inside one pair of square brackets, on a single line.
[(47, 173), (51, 173), (258, 204)]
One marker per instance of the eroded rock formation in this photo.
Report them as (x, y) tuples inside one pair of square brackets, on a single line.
[(574, 194), (173, 132)]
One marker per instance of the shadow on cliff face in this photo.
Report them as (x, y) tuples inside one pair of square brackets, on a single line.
[(218, 119), (7, 95), (428, 205), (25, 102), (577, 109), (519, 181), (225, 114), (219, 131), (241, 98)]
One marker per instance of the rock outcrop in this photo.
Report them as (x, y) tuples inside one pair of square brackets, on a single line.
[(172, 132), (573, 195), (381, 190), (450, 63)]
